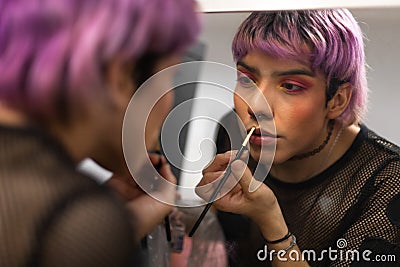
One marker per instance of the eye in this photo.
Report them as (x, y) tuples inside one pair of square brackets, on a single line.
[(292, 88), (245, 81)]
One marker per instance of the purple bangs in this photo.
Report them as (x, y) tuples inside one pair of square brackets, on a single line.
[(327, 40), (53, 52)]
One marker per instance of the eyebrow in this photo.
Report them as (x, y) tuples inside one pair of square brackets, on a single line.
[(278, 73), (247, 67), (294, 72)]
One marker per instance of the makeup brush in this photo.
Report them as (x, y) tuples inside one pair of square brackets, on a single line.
[(221, 183)]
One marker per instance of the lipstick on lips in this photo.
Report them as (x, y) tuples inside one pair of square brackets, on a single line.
[(261, 137)]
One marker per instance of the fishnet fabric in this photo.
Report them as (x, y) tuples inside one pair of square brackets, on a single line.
[(50, 215), (348, 200)]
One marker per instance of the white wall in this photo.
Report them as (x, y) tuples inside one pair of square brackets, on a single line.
[(381, 27)]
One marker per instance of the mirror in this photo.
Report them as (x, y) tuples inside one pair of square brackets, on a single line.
[(382, 39)]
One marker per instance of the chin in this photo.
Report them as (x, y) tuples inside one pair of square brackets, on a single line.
[(265, 158)]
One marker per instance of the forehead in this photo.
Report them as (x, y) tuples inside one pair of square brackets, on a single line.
[(260, 63), (263, 61)]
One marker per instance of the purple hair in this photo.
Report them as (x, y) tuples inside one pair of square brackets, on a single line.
[(331, 40), (51, 51)]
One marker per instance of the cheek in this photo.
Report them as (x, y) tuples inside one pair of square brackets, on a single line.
[(240, 107), (298, 113), (308, 110), (300, 122), (164, 105), (156, 119)]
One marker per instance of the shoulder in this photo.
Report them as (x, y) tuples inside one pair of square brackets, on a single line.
[(375, 154), (385, 155), (380, 143), (88, 223)]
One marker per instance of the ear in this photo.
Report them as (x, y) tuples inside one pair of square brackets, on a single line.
[(120, 84), (339, 102)]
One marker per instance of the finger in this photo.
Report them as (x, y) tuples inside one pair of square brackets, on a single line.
[(230, 183), (232, 154), (220, 161), (208, 184), (242, 173), (245, 156), (155, 158), (207, 191), (165, 171), (236, 189), (166, 192), (210, 177)]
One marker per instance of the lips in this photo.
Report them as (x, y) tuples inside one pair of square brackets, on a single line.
[(261, 137)]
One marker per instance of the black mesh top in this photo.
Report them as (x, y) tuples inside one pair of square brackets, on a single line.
[(354, 204), (50, 215)]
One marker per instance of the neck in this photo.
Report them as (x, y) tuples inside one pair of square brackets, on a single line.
[(295, 171), (10, 117), (73, 138)]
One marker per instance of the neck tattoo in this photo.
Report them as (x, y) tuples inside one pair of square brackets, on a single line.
[(321, 146)]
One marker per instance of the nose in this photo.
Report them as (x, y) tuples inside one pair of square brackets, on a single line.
[(259, 107), (260, 114)]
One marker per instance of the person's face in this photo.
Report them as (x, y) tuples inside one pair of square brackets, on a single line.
[(162, 107), (109, 114), (296, 96)]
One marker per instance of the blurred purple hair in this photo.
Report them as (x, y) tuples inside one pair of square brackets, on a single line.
[(331, 40), (51, 51)]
